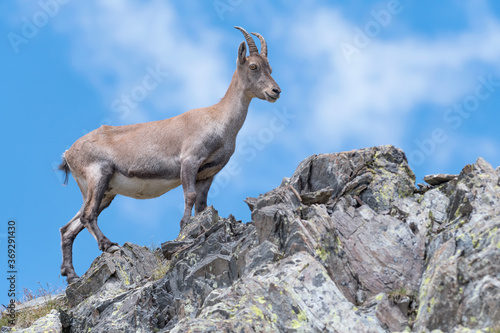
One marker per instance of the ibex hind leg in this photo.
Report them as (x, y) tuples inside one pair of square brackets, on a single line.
[(103, 242), (97, 201), (108, 198), (68, 235)]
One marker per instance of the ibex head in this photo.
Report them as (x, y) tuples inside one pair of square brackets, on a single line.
[(254, 71)]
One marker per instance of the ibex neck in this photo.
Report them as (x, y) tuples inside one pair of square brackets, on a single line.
[(233, 107)]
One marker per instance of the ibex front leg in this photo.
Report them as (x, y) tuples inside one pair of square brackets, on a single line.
[(189, 170), (202, 187), (68, 235)]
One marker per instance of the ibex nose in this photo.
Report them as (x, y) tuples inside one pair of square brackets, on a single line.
[(277, 91)]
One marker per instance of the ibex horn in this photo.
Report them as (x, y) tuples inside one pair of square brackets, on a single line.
[(252, 48), (263, 44)]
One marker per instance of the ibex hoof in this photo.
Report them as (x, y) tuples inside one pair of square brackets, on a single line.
[(112, 249), (184, 222), (73, 279)]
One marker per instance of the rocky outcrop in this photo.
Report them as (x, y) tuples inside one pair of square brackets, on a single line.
[(51, 323), (346, 244)]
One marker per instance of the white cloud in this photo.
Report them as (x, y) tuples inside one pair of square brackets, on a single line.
[(338, 104), (456, 149), (115, 43), (367, 100)]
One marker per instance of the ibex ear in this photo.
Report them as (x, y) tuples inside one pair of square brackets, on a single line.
[(242, 53)]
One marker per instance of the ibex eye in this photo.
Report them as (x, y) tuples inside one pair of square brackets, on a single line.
[(253, 66)]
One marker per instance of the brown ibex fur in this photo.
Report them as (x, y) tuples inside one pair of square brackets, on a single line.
[(146, 160)]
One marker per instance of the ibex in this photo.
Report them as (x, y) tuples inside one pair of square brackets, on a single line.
[(146, 160)]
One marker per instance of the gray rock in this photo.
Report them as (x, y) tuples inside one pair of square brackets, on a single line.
[(438, 179), (110, 295), (259, 255), (388, 312), (346, 244), (41, 301), (436, 203), (217, 258), (380, 252), (376, 175), (319, 197), (47, 324), (292, 295), (121, 270), (463, 269)]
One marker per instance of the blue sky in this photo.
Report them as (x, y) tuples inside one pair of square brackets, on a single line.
[(421, 75)]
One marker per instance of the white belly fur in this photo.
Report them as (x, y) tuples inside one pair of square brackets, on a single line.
[(141, 188)]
